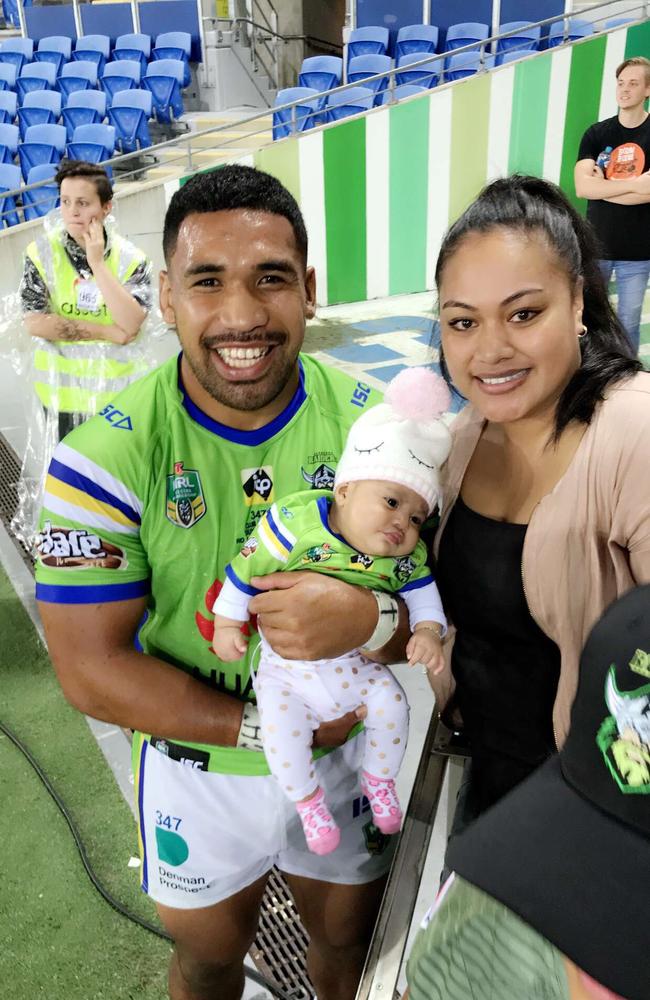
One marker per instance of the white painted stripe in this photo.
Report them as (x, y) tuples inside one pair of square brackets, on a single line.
[(247, 160), (557, 100), (377, 205), (502, 83), (439, 173), (614, 56), (171, 187), (86, 517), (312, 196), (75, 460)]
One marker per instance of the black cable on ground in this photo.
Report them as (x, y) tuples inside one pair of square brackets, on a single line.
[(252, 974)]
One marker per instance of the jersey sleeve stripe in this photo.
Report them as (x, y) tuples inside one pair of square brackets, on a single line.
[(84, 501), (284, 536), (75, 460), (270, 542), (424, 581), (83, 484), (245, 588), (83, 515), (73, 594)]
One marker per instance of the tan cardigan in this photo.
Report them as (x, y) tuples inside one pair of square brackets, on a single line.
[(588, 540)]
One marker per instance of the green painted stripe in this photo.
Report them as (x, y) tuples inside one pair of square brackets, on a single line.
[(344, 155), (583, 106), (529, 114), (470, 117), (281, 160), (637, 42), (408, 173)]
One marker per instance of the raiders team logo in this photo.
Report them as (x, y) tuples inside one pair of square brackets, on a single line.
[(185, 500), (257, 485), (322, 478), (403, 568)]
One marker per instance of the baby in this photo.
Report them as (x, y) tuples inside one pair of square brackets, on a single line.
[(367, 532)]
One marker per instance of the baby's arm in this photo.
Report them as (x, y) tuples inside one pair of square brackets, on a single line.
[(428, 624), (228, 643), (425, 646)]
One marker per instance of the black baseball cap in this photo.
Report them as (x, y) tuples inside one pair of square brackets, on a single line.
[(568, 850)]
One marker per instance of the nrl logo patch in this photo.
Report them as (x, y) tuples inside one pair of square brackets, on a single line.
[(624, 736), (322, 478), (185, 500)]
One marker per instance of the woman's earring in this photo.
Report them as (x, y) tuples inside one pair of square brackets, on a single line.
[(584, 333)]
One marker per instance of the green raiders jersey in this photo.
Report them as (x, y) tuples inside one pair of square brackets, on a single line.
[(295, 534), (153, 498)]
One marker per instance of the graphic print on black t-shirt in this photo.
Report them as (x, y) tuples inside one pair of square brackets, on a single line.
[(627, 160)]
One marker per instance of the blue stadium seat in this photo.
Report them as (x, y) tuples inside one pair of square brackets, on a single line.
[(55, 49), (8, 106), (576, 28), (459, 35), (92, 143), (9, 181), (361, 67), (416, 38), (35, 76), (129, 114), (136, 47), (321, 73), (402, 91), (175, 45), (41, 107), (164, 79), (42, 144), (7, 77), (426, 75), (121, 74), (9, 137), (83, 107), (77, 76), (93, 48), (43, 199), (352, 101), (288, 121), (463, 64), (16, 52), (526, 40), (367, 42)]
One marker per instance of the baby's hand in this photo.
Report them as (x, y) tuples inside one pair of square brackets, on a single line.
[(425, 647), (229, 644)]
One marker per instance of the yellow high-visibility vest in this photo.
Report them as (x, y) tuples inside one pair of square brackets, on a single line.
[(80, 376)]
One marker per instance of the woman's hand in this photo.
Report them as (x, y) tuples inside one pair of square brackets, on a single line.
[(310, 616), (93, 240)]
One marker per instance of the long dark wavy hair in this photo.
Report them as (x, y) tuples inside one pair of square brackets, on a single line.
[(531, 205)]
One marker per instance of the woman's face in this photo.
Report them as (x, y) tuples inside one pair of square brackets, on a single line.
[(80, 204), (509, 321)]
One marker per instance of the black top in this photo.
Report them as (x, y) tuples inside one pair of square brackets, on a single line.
[(623, 230), (506, 668)]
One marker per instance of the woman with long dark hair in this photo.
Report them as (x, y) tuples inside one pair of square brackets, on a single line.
[(546, 516)]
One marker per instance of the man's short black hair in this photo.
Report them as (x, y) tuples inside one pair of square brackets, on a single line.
[(229, 188)]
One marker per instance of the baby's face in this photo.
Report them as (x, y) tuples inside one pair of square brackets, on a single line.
[(379, 518)]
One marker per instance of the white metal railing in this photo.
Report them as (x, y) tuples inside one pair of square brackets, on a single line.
[(181, 150)]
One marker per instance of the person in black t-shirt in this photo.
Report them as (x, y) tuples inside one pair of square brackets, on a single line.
[(613, 173)]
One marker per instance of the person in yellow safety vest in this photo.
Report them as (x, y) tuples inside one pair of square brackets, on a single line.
[(85, 294)]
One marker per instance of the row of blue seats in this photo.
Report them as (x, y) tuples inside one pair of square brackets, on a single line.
[(128, 112), (35, 203), (315, 108), (426, 37), (163, 79), (48, 144), (57, 50)]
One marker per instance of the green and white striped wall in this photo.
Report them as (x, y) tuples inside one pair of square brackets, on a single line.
[(379, 191)]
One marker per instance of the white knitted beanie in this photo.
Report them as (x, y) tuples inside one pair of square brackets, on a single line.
[(402, 440)]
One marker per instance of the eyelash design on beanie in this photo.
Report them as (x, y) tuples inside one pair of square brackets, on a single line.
[(419, 460), (366, 451)]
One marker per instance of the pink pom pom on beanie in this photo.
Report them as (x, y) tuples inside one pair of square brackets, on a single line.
[(402, 440)]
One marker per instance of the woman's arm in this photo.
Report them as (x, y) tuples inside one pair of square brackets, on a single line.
[(47, 326), (127, 313)]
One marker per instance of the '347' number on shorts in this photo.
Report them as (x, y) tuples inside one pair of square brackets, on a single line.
[(171, 822)]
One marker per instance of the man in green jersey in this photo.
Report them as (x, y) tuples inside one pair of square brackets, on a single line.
[(144, 506)]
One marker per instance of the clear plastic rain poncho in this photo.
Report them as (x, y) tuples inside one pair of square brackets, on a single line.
[(91, 371)]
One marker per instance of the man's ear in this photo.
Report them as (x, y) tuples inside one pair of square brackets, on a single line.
[(310, 288), (165, 298)]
